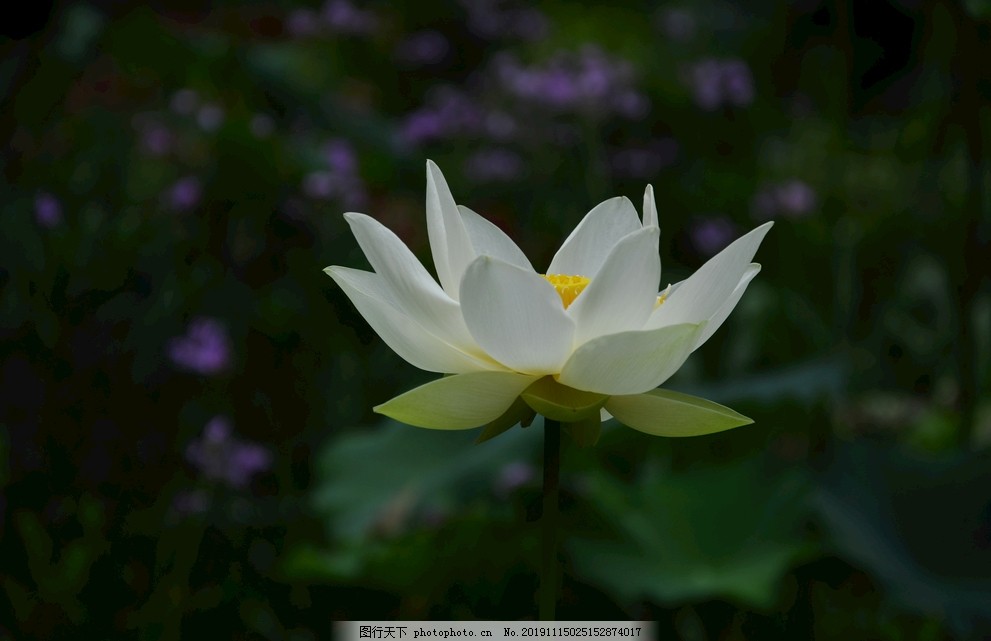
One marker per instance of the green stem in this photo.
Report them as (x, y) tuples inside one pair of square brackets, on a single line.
[(549, 521)]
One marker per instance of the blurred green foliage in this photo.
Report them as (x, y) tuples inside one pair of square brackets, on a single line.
[(174, 178)]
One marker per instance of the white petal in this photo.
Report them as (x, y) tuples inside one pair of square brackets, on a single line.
[(373, 296), (516, 316), (630, 362), (488, 240), (649, 208), (584, 251), (457, 402), (702, 295), (449, 242), (414, 290), (622, 295), (727, 307)]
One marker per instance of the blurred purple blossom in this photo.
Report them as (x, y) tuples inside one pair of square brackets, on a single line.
[(340, 156), (340, 178), (185, 102), (343, 17), (645, 161), (486, 18), (47, 210), (185, 193), (426, 47), (302, 22), (586, 80), (513, 476), (715, 83), (711, 235), (220, 456), (494, 165), (261, 126), (204, 349), (156, 139), (500, 125), (448, 112), (677, 24), (793, 198), (210, 116), (192, 502)]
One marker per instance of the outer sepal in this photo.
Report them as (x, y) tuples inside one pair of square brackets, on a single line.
[(562, 403), (665, 413), (586, 432), (519, 413), (458, 402)]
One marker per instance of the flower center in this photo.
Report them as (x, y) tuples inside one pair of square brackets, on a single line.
[(568, 287)]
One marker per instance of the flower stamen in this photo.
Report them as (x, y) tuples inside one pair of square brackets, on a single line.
[(663, 297), (568, 287)]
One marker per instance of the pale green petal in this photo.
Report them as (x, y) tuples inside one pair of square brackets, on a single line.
[(519, 413), (584, 251), (449, 242), (516, 316), (717, 320), (702, 295), (374, 299), (458, 402), (649, 208), (623, 294), (412, 289), (666, 413), (488, 240), (630, 362), (562, 403)]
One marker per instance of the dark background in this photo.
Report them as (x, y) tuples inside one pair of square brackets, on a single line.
[(186, 435)]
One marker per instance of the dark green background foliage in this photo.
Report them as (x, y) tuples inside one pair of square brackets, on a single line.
[(181, 169)]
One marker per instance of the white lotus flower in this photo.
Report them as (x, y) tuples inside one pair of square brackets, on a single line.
[(592, 336)]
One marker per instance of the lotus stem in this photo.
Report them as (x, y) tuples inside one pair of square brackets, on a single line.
[(549, 518)]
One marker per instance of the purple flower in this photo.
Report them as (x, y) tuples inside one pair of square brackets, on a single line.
[(192, 502), (157, 140), (47, 210), (527, 24), (706, 83), (340, 178), (631, 104), (302, 22), (678, 24), (448, 112), (261, 126), (738, 83), (587, 80), (512, 477), (711, 235), (793, 198), (340, 157), (797, 198), (343, 17), (422, 48), (204, 349), (500, 125), (488, 20), (645, 162), (185, 102), (210, 117), (715, 83), (421, 127), (220, 456), (328, 185), (493, 165), (185, 193)]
